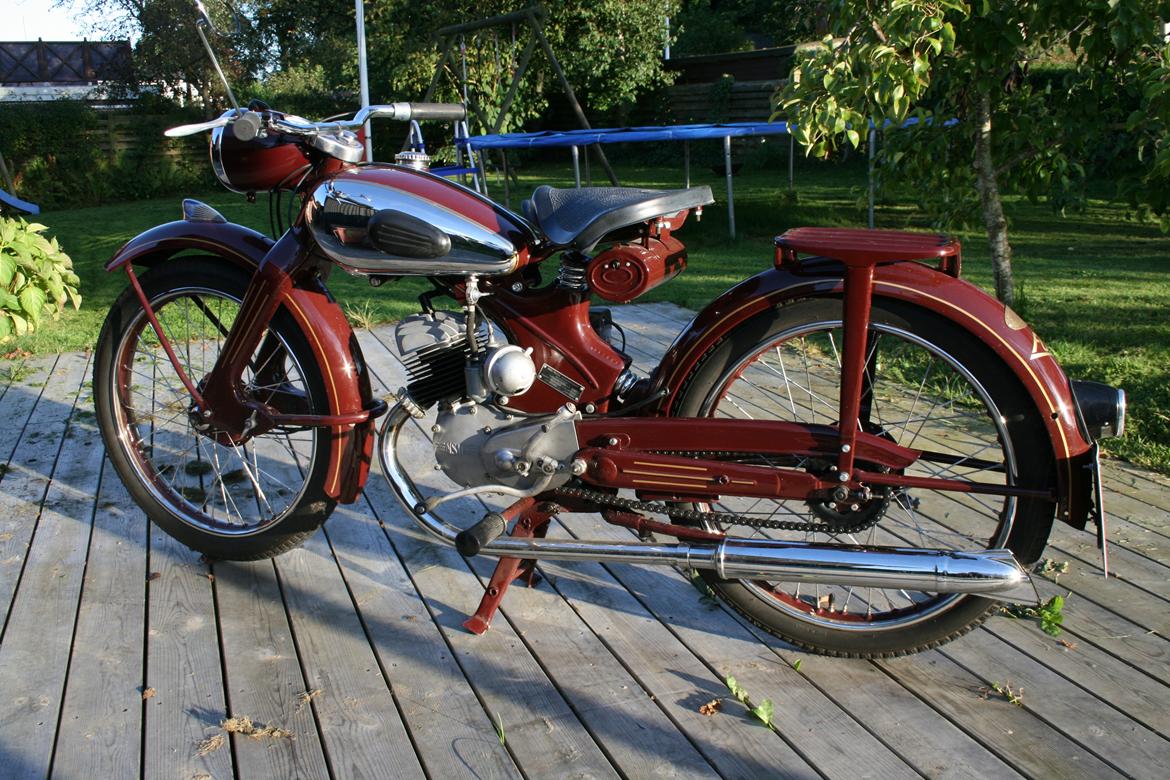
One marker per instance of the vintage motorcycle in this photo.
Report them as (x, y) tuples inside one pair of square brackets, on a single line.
[(854, 448)]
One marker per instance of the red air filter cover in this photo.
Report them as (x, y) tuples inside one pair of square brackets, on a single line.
[(625, 271)]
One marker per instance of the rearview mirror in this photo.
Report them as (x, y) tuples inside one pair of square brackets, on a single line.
[(204, 20)]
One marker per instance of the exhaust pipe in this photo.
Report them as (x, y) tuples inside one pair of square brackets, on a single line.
[(992, 574)]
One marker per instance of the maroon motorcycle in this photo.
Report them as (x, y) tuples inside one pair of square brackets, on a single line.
[(854, 448)]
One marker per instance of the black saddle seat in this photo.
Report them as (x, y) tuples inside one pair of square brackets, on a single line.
[(579, 218)]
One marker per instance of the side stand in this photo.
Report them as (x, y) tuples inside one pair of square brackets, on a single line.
[(533, 522)]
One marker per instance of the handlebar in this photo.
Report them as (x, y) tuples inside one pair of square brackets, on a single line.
[(247, 124)]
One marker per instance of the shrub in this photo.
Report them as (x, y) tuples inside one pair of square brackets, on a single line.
[(36, 277), (59, 153)]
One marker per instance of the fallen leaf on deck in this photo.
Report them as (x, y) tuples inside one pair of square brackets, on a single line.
[(211, 744), (242, 724), (711, 707)]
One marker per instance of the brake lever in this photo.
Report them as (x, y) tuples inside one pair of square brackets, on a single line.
[(185, 130)]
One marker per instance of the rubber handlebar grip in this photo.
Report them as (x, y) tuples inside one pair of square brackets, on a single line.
[(451, 112), (246, 126), (470, 541)]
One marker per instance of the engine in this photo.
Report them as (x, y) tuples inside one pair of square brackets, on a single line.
[(468, 372)]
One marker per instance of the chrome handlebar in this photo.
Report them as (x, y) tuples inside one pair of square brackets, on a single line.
[(306, 129)]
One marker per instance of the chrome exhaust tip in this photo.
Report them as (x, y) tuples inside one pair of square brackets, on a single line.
[(990, 573), (993, 574)]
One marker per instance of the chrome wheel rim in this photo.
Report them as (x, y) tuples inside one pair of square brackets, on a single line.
[(226, 490), (945, 411)]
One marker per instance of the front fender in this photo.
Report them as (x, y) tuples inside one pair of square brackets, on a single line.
[(237, 244), (963, 303), (326, 328)]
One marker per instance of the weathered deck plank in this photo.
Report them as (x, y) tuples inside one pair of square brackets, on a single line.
[(1110, 735), (361, 727), (100, 734), (816, 727), (263, 675), (38, 634), (449, 727), (182, 733), (597, 672), (28, 472), (679, 680)]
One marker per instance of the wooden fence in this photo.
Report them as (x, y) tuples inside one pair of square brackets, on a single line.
[(118, 133), (63, 62), (740, 101)]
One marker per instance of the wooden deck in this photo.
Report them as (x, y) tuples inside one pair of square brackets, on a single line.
[(122, 652)]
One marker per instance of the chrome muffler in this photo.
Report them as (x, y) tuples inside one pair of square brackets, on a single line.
[(991, 574)]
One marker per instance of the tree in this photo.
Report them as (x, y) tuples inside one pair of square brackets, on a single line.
[(168, 52), (611, 50), (718, 26), (1002, 96)]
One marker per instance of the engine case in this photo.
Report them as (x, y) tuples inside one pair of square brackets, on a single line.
[(480, 444)]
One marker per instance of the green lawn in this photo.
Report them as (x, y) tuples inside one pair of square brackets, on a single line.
[(1095, 286)]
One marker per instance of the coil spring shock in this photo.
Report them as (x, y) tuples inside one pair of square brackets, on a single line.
[(572, 273)]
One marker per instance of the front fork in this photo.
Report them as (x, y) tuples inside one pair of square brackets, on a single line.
[(220, 401)]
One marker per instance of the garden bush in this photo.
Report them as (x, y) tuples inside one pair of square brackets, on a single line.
[(36, 277), (59, 160)]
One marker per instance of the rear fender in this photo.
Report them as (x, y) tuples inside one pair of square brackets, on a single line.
[(324, 324), (988, 320)]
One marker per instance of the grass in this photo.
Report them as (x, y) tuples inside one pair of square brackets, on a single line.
[(1095, 285)]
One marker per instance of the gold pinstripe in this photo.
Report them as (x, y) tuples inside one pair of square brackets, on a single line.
[(669, 466)]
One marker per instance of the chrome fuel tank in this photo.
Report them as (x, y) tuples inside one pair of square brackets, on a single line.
[(485, 238)]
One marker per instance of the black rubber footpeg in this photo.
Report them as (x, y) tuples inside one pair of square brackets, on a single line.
[(470, 541)]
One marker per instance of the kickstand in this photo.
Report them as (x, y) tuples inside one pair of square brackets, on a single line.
[(533, 522)]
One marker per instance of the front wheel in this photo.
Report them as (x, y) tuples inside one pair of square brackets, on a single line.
[(243, 501), (930, 386)]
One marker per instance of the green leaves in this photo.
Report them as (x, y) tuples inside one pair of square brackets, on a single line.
[(762, 712), (36, 278), (32, 300), (1051, 615), (878, 72), (736, 689)]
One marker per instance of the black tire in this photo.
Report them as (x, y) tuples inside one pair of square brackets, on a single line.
[(244, 502), (731, 380)]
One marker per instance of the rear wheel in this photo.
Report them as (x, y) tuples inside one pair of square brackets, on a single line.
[(241, 501), (930, 386)]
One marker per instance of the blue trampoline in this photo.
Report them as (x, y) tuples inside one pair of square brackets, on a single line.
[(617, 135), (575, 139)]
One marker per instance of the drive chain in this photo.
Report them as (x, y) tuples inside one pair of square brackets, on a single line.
[(696, 516)]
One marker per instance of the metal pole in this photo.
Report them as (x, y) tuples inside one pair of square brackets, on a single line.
[(7, 176), (791, 154), (730, 195), (687, 162), (534, 22), (872, 145), (576, 166), (504, 168), (363, 76)]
